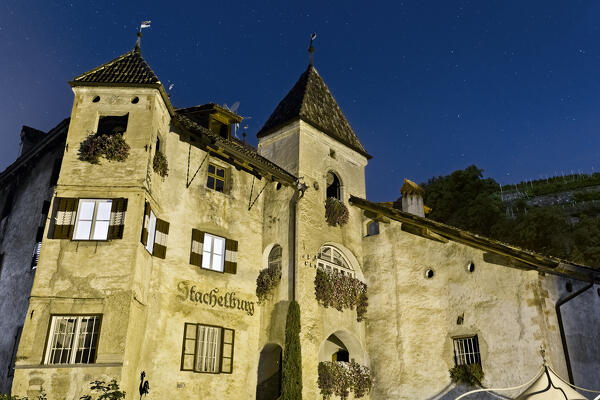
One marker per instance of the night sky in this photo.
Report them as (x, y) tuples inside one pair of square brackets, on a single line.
[(429, 86)]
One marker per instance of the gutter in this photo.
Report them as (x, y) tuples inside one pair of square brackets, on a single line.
[(561, 328)]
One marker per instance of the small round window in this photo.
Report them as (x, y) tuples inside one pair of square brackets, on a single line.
[(135, 100), (96, 99)]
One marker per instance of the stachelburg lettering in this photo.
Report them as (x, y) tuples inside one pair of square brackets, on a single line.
[(212, 298)]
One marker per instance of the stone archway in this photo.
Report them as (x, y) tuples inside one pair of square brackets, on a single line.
[(341, 346), (269, 373)]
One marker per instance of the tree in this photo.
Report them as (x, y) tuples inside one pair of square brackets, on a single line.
[(292, 358)]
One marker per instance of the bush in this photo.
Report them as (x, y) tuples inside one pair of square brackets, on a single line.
[(106, 391), (291, 382), (267, 280), (112, 147), (340, 378), (336, 212), (160, 164), (340, 292), (468, 374)]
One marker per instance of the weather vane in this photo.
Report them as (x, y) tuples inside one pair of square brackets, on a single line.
[(143, 25), (311, 49)]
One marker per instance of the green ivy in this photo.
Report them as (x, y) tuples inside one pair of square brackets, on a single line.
[(340, 378), (341, 292), (336, 212), (112, 147), (267, 280), (468, 374), (160, 164), (291, 382)]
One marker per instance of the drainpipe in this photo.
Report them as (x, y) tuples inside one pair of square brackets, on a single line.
[(562, 329), (298, 194)]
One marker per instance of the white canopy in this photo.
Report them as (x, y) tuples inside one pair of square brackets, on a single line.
[(549, 386)]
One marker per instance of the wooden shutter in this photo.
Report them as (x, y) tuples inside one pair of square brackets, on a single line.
[(197, 246), (160, 240), (117, 218), (144, 238), (231, 249), (188, 352), (227, 340), (64, 217)]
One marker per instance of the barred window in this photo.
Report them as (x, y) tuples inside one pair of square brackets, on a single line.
[(466, 351), (207, 349), (73, 339), (93, 219)]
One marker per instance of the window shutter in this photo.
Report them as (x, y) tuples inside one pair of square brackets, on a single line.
[(227, 340), (188, 353), (117, 218), (197, 245), (64, 217), (145, 223), (160, 240), (231, 249)]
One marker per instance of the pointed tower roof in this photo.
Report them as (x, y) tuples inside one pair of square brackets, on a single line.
[(130, 68), (311, 101)]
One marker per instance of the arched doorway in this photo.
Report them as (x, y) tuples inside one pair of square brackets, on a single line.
[(269, 373), (341, 346), (334, 186)]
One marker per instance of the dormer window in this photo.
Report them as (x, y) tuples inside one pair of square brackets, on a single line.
[(219, 128), (111, 125), (333, 186)]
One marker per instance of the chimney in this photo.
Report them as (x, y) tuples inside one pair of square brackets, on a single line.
[(30, 137), (412, 198)]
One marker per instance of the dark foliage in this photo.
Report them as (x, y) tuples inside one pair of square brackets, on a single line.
[(336, 212), (340, 292), (339, 379), (267, 280), (291, 385), (112, 147), (470, 374), (160, 164), (105, 391)]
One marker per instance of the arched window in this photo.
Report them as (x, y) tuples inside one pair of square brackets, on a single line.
[(332, 260), (333, 186), (275, 258), (373, 228)]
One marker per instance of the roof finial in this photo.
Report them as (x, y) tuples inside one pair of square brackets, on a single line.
[(144, 24), (311, 49)]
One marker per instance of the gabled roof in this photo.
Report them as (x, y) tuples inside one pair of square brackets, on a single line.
[(130, 68), (311, 101)]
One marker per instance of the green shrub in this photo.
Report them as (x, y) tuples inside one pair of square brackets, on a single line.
[(112, 147), (340, 378), (291, 382), (105, 391), (468, 374), (160, 164), (336, 212)]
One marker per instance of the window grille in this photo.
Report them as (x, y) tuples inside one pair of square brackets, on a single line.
[(36, 255), (93, 219), (216, 178), (73, 340), (466, 351), (331, 260)]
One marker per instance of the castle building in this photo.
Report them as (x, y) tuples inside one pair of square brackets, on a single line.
[(149, 262)]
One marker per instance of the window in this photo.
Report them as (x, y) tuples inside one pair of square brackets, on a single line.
[(331, 260), (213, 252), (72, 339), (110, 125), (216, 178), (207, 349), (466, 351), (275, 258), (36, 255), (373, 228), (151, 232), (341, 355), (333, 186), (93, 219)]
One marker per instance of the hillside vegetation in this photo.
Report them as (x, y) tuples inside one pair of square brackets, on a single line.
[(466, 200)]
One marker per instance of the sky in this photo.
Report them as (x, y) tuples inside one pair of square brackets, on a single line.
[(428, 86)]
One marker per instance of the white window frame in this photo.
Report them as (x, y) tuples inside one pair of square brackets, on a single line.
[(151, 232), (466, 350), (334, 262), (35, 257), (275, 257), (77, 338), (90, 234), (208, 253)]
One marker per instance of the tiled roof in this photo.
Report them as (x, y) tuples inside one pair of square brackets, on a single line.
[(311, 101), (130, 68), (234, 146)]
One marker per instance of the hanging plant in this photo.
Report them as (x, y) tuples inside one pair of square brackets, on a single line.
[(267, 280), (468, 374), (341, 378), (160, 164), (341, 292), (112, 147), (336, 212)]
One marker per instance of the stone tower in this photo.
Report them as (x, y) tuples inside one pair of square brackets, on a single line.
[(309, 135)]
